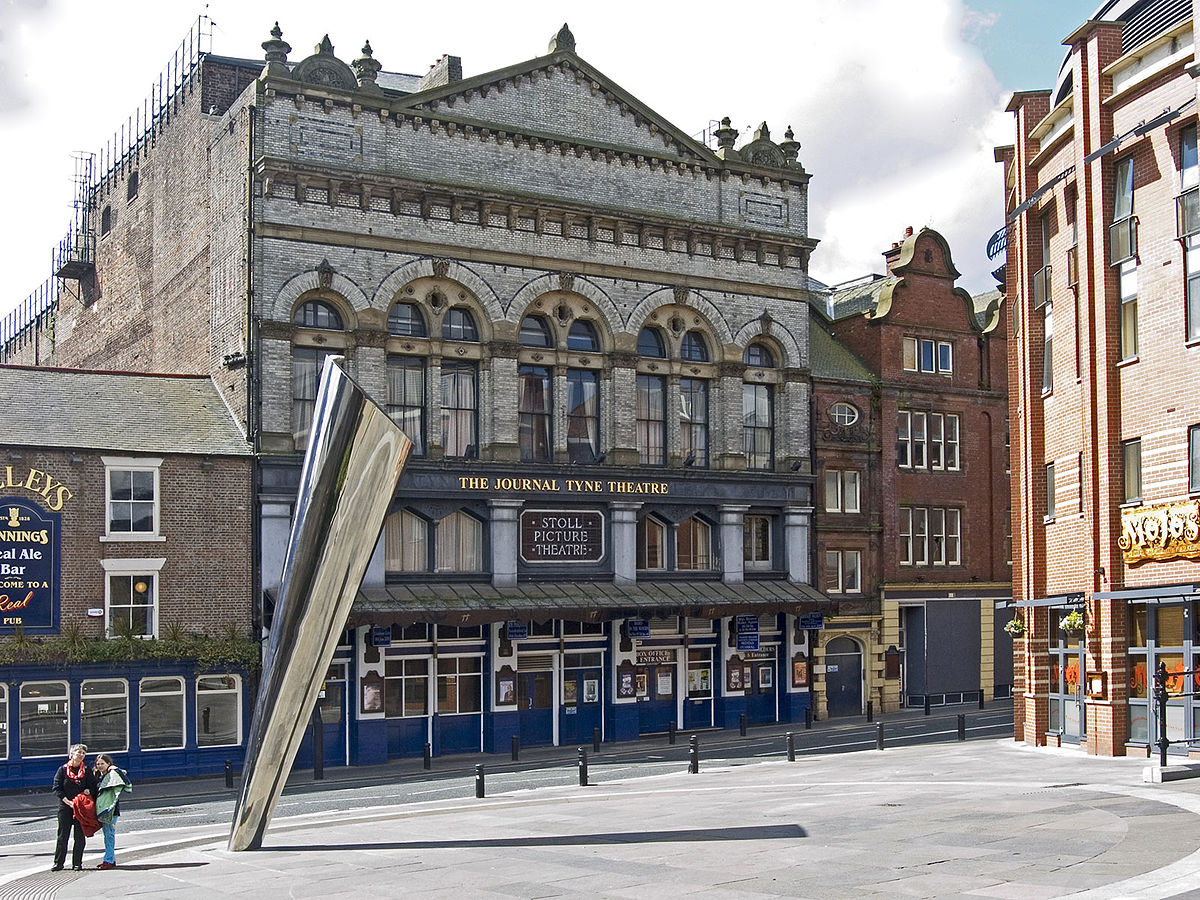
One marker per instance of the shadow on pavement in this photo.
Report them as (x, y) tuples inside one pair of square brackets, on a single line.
[(122, 867), (746, 833)]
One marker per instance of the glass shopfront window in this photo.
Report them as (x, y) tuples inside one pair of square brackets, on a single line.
[(218, 710), (160, 704), (1166, 634), (1066, 677), (406, 688), (105, 715), (44, 718), (699, 674), (460, 684)]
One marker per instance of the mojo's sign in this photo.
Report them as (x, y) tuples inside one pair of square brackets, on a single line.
[(562, 536), (30, 542), (1163, 531)]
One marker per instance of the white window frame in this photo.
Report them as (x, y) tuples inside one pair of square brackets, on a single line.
[(945, 536), (643, 532), (236, 691), (755, 564), (846, 568), (132, 568), (1127, 279), (927, 355), (181, 695), (83, 703), (842, 492), (21, 701), (438, 676), (132, 464)]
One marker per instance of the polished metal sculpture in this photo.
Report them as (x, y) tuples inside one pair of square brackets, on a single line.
[(354, 460)]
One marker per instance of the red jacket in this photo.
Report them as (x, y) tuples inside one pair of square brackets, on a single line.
[(85, 814)]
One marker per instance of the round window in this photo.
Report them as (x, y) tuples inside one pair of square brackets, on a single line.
[(843, 413)]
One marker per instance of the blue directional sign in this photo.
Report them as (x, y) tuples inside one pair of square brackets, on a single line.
[(381, 635), (517, 631), (812, 621), (638, 628), (747, 632)]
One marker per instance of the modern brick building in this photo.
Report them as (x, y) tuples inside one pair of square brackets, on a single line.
[(594, 327), (1103, 230), (126, 504), (909, 381)]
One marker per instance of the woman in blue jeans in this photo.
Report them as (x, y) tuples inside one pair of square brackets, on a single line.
[(112, 781)]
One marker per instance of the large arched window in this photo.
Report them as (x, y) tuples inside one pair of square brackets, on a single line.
[(460, 543), (759, 356), (535, 332), (582, 336), (693, 545), (693, 348), (651, 544), (459, 325), (650, 343), (404, 543), (318, 314), (405, 320)]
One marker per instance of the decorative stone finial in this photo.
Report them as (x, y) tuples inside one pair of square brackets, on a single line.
[(762, 132), (790, 146), (366, 67), (564, 40), (277, 50), (325, 48), (726, 136)]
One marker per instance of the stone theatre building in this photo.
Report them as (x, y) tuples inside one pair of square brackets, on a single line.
[(593, 327)]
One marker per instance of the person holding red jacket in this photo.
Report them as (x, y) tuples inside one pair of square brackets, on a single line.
[(71, 780)]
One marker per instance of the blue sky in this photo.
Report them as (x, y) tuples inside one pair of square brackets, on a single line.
[(897, 103)]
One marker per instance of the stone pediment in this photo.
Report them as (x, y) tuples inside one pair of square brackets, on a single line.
[(325, 69), (560, 95)]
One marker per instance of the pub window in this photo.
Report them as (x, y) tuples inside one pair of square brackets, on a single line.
[(650, 343), (218, 710), (160, 713), (104, 713), (133, 492), (693, 421), (693, 347), (651, 544), (534, 413), (756, 542), (405, 688), (405, 320), (459, 684), (131, 602), (406, 397), (414, 631), (583, 415), (460, 543), (693, 545), (699, 675), (651, 420), (307, 363), (460, 403), (1131, 464), (459, 632), (43, 719), (582, 336), (575, 629), (535, 332), (405, 547), (459, 325), (318, 314)]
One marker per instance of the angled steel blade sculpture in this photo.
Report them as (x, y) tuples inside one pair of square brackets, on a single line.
[(354, 460)]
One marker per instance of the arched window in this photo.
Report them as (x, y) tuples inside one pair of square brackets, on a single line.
[(650, 343), (693, 545), (404, 543), (459, 325), (582, 336), (535, 332), (760, 356), (460, 543), (318, 314), (405, 320), (651, 544), (694, 348)]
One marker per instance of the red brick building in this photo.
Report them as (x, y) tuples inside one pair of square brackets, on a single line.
[(913, 458), (1103, 250), (125, 573)]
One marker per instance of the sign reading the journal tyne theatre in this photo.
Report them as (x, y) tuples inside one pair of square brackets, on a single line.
[(29, 548), (562, 536)]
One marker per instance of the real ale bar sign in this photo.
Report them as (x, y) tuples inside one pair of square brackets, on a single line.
[(562, 536), (29, 565)]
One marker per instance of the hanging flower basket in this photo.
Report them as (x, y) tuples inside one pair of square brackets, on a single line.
[(1072, 622), (1015, 628)]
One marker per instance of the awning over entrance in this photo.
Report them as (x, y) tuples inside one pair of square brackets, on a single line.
[(474, 604)]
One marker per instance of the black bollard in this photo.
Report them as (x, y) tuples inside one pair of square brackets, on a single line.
[(926, 704), (791, 747), (229, 773), (671, 732), (516, 747), (595, 740), (870, 710), (742, 724), (981, 699), (427, 758), (962, 727), (879, 736), (582, 767), (694, 755), (479, 781), (808, 717)]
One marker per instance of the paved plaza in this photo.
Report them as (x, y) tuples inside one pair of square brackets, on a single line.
[(983, 819)]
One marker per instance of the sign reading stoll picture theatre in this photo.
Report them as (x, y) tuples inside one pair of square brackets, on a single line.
[(562, 536)]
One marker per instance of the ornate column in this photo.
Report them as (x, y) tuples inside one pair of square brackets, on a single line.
[(506, 541), (733, 523), (624, 540), (796, 522)]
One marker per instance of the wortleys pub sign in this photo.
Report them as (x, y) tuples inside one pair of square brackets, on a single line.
[(562, 536), (30, 541)]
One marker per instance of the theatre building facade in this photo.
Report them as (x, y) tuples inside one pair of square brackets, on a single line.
[(593, 327)]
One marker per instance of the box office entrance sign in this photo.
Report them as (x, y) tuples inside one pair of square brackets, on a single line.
[(562, 536), (29, 567)]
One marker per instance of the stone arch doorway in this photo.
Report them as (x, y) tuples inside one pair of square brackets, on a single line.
[(844, 677)]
